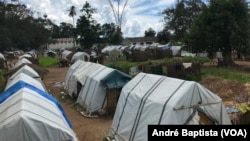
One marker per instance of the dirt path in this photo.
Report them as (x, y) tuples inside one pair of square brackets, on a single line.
[(87, 129)]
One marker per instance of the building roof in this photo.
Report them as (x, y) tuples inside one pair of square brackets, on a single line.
[(140, 40), (64, 39)]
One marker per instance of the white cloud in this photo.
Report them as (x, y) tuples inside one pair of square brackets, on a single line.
[(139, 15)]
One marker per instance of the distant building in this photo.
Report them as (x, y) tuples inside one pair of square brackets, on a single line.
[(62, 43), (140, 40)]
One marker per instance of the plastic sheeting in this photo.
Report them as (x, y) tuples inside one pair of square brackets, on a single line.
[(92, 95), (154, 99), (2, 56), (26, 78), (31, 114), (70, 72), (65, 54), (115, 79), (80, 56), (29, 71), (79, 75), (89, 81), (21, 61)]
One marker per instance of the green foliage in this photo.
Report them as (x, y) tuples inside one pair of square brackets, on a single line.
[(192, 77), (149, 33), (164, 36), (47, 62), (179, 18), (107, 32), (87, 27), (65, 30), (19, 29), (116, 38), (122, 65), (223, 25)]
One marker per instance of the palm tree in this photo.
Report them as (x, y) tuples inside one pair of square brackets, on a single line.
[(72, 13)]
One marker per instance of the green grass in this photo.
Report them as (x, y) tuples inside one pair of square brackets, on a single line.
[(195, 59), (226, 74), (47, 62)]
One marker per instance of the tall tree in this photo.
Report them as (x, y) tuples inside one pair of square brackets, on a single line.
[(107, 32), (19, 29), (150, 32), (223, 26), (72, 13), (179, 18), (163, 36), (66, 30), (87, 27)]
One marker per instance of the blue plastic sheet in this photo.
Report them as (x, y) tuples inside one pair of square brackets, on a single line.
[(21, 84)]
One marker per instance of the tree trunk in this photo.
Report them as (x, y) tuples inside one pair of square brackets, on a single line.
[(227, 59)]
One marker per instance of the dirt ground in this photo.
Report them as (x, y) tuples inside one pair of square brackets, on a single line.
[(95, 129)]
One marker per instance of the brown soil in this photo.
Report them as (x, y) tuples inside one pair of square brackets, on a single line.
[(95, 129)]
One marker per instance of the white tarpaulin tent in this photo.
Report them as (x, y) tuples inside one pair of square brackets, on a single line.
[(26, 55), (87, 82), (65, 54), (157, 100), (113, 49), (30, 114), (80, 56), (79, 76), (22, 61), (27, 79), (92, 95), (29, 71), (2, 56), (176, 50), (70, 72)]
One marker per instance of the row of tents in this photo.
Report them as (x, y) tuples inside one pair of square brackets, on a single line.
[(28, 112), (145, 99), (119, 49)]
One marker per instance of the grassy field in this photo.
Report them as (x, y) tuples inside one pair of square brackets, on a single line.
[(226, 73), (47, 62)]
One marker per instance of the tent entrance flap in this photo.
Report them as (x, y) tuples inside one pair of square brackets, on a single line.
[(112, 97)]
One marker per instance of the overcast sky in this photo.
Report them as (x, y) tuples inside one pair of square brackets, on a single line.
[(139, 15)]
